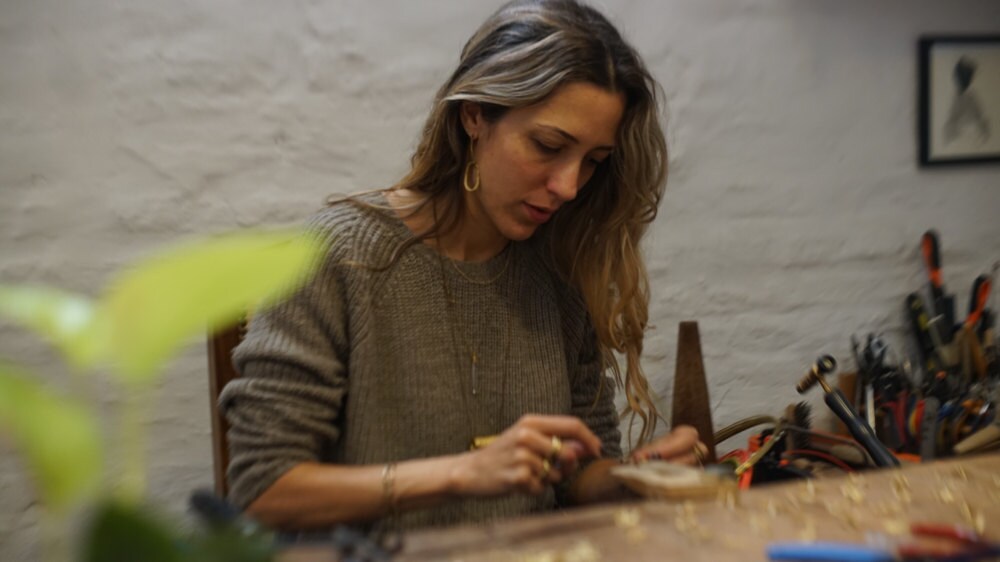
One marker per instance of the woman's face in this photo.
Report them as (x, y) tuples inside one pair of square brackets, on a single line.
[(534, 159)]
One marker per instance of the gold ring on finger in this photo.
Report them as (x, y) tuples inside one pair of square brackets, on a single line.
[(699, 455), (546, 468), (557, 446)]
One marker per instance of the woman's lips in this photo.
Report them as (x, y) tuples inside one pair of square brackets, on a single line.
[(538, 214)]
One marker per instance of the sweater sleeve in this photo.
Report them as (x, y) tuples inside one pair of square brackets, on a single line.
[(592, 392), (284, 409), (593, 395)]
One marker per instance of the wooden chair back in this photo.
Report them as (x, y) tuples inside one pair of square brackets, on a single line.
[(220, 372)]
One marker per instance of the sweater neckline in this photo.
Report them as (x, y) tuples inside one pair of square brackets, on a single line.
[(497, 266)]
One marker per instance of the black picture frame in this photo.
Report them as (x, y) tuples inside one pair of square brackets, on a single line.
[(959, 99)]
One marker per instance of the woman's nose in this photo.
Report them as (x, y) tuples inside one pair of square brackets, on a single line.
[(565, 182)]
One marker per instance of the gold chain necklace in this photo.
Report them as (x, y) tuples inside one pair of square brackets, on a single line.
[(470, 352), (491, 280)]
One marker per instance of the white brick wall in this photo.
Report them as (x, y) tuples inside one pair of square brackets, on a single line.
[(792, 217)]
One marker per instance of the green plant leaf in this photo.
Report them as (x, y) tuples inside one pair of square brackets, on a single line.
[(64, 319), (230, 545), (156, 307), (121, 532), (59, 437), (127, 532)]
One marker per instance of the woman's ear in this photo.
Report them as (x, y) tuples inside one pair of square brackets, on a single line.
[(472, 118)]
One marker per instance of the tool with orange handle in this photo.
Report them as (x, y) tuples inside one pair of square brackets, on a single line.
[(977, 305), (977, 300), (943, 304), (920, 325)]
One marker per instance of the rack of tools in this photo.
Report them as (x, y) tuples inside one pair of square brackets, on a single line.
[(939, 404), (946, 403)]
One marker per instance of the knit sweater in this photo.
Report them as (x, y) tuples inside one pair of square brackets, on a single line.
[(371, 362)]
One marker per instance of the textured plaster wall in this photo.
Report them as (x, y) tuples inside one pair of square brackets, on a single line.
[(792, 217)]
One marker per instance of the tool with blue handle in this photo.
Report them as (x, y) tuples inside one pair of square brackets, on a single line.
[(959, 545), (828, 552)]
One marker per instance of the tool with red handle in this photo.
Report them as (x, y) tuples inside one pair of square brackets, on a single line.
[(977, 300), (977, 306), (920, 324), (943, 304)]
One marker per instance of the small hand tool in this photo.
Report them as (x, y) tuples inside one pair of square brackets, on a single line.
[(943, 304), (797, 422), (978, 298), (966, 544), (986, 438), (962, 545), (973, 409), (865, 393), (762, 450), (920, 324), (928, 428), (891, 430), (837, 402), (948, 352), (985, 330), (828, 552), (977, 305)]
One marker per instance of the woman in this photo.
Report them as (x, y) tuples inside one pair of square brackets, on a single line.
[(447, 361)]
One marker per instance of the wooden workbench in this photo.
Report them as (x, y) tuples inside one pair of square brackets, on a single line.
[(963, 491)]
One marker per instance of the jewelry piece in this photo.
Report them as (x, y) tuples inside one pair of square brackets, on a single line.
[(699, 455), (449, 300), (491, 280), (470, 166), (459, 341), (389, 487), (546, 468), (482, 441), (557, 446), (474, 359)]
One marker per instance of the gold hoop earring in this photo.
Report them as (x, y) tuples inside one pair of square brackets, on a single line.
[(470, 166)]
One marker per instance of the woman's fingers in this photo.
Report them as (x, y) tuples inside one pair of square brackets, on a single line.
[(692, 458), (566, 428), (536, 451), (572, 452), (537, 442), (532, 473), (678, 442), (551, 457), (525, 457), (675, 446), (701, 452), (550, 446), (526, 479)]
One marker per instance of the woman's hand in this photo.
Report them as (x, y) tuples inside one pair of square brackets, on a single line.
[(681, 446), (533, 453)]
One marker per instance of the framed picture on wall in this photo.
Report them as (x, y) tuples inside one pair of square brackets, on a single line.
[(959, 113)]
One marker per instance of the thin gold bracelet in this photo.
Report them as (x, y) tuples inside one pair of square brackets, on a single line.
[(389, 487)]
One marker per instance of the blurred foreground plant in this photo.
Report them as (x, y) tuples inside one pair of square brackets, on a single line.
[(146, 315)]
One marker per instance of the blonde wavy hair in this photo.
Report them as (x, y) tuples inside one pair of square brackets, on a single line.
[(519, 56)]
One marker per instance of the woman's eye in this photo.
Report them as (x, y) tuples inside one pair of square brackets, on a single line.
[(547, 149)]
